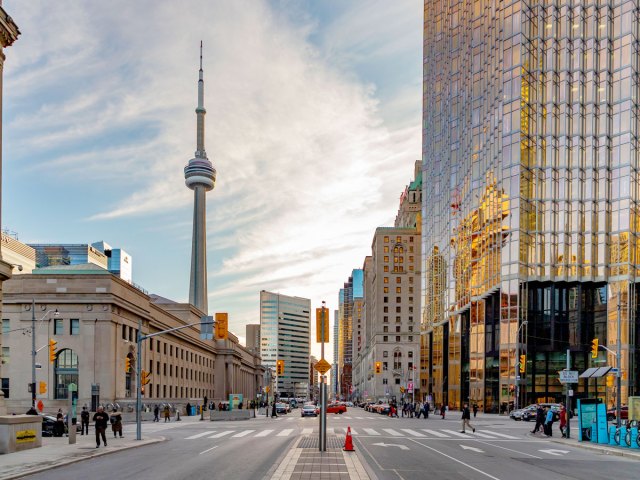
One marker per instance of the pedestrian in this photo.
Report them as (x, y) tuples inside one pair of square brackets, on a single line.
[(404, 409), (274, 413), (84, 420), (205, 401), (418, 409), (548, 423), (475, 410), (116, 422), (466, 419), (167, 414), (220, 406), (442, 410), (410, 408), (156, 413), (58, 427), (540, 417), (101, 418), (563, 421), (425, 410), (188, 409)]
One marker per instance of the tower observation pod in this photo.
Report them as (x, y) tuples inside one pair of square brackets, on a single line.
[(199, 176)]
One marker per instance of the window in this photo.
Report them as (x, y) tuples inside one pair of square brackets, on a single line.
[(75, 326), (6, 325), (385, 366), (386, 309), (5, 387), (385, 381), (398, 239), (58, 326), (158, 346), (386, 300), (386, 249), (165, 348), (385, 319), (385, 339), (398, 338), (124, 332), (386, 268), (411, 328), (6, 354), (398, 309), (397, 328), (385, 354), (398, 299), (410, 354), (66, 372), (170, 350), (386, 280), (386, 239), (398, 280), (386, 258), (385, 329), (398, 319), (398, 289), (411, 338), (386, 289)]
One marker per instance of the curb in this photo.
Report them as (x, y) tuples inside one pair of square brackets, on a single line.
[(601, 449), (72, 460)]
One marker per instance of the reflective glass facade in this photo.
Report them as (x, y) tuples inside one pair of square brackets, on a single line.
[(530, 195)]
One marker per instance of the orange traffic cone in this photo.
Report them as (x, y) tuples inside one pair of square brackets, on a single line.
[(348, 442)]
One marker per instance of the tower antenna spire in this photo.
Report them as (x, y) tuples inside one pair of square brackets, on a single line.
[(200, 55)]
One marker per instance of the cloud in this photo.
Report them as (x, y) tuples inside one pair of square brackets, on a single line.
[(307, 166)]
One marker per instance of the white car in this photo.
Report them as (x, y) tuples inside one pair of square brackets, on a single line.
[(309, 411)]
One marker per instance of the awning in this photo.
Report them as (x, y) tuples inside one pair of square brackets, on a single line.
[(595, 372)]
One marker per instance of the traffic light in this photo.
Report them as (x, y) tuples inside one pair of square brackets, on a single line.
[(144, 377), (610, 381), (523, 363), (322, 335), (594, 348), (127, 364), (43, 388), (280, 367), (222, 326), (142, 390), (266, 389), (52, 350), (401, 389), (378, 367)]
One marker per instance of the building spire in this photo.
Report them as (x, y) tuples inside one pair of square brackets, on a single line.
[(200, 112)]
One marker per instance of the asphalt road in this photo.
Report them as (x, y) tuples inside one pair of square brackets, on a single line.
[(403, 448)]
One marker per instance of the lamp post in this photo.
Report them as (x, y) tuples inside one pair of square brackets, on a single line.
[(515, 372), (619, 374), (34, 352)]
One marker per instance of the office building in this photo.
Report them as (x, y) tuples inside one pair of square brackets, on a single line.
[(530, 200), (252, 332), (285, 328), (119, 262)]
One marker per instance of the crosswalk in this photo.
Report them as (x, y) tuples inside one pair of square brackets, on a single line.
[(422, 433)]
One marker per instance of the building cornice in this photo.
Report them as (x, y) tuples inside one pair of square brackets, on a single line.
[(8, 29)]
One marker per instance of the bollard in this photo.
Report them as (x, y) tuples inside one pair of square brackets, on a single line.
[(178, 419)]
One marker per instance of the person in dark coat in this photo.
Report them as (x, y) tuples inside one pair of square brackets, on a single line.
[(475, 410), (540, 418), (116, 422), (466, 418), (274, 413), (58, 427), (101, 418), (425, 410), (189, 409), (156, 413), (84, 420)]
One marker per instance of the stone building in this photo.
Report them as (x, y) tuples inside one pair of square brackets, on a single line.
[(96, 330)]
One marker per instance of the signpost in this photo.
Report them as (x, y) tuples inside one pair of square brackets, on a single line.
[(71, 413), (323, 367), (568, 377)]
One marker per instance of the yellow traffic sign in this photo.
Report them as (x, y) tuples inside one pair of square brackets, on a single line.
[(322, 366)]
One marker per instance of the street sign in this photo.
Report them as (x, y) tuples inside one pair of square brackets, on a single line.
[(322, 366), (568, 376), (322, 335), (571, 393)]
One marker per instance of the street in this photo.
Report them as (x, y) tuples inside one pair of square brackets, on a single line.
[(390, 448)]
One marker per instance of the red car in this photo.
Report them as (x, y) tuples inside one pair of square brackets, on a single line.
[(336, 408), (624, 413)]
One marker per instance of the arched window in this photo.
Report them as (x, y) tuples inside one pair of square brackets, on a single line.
[(66, 372)]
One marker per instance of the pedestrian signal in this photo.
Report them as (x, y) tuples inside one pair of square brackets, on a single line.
[(523, 363), (42, 388), (127, 364), (52, 350), (280, 367), (594, 348), (378, 367), (222, 326), (144, 378)]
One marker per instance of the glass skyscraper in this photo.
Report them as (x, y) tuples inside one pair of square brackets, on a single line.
[(531, 219)]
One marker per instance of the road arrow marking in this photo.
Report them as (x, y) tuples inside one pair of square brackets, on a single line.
[(466, 447), (552, 451), (401, 447)]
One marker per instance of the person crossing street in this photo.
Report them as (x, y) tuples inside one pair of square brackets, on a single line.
[(101, 418), (466, 418)]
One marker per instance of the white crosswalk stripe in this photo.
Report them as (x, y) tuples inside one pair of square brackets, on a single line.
[(285, 432), (484, 435), (503, 435), (412, 432), (370, 431), (457, 434), (264, 433), (347, 418), (221, 434), (353, 431), (393, 432), (435, 433), (359, 418), (370, 418), (242, 434), (307, 431), (198, 435)]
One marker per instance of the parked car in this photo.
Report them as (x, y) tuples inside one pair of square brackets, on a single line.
[(517, 414), (624, 413), (281, 408), (528, 415), (336, 408), (309, 411)]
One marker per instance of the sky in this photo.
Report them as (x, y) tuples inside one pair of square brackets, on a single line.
[(313, 125)]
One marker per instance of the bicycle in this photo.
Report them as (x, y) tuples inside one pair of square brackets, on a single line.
[(627, 438)]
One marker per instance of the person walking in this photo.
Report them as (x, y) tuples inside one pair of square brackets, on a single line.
[(274, 413), (156, 413), (475, 410), (101, 418), (442, 410), (539, 419), (548, 423), (58, 427), (466, 419), (116, 422), (188, 409), (425, 410), (84, 420), (167, 414), (418, 409), (563, 421)]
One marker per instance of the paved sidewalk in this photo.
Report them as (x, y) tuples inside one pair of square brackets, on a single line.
[(56, 452), (596, 447)]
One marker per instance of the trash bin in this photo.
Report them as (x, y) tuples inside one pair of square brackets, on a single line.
[(192, 410)]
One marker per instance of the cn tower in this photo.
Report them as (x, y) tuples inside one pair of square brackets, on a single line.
[(199, 176)]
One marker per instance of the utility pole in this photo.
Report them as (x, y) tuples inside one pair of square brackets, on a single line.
[(323, 389), (619, 374), (33, 352), (567, 408)]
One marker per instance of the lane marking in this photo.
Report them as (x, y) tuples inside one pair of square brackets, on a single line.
[(307, 431), (413, 432), (242, 434), (221, 434), (370, 418), (484, 435), (455, 460), (285, 433), (391, 431), (435, 433), (509, 449), (371, 431), (457, 434), (198, 435), (263, 433), (359, 418), (209, 450), (510, 437)]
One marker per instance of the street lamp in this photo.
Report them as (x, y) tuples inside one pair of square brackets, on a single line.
[(33, 346), (515, 371)]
